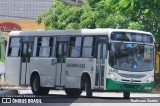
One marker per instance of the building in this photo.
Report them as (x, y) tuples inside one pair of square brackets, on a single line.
[(21, 14)]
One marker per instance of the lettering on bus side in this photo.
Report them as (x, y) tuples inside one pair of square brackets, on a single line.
[(75, 65)]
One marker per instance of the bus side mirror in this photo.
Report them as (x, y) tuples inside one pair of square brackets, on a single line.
[(156, 43), (156, 46), (109, 46)]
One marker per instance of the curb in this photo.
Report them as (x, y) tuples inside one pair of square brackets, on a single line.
[(8, 92)]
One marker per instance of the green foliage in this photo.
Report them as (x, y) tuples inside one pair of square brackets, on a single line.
[(125, 14), (92, 3), (1, 50)]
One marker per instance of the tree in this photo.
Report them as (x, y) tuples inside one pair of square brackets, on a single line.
[(125, 14), (61, 16), (143, 12), (92, 14)]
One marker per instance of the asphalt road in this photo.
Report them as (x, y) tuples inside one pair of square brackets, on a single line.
[(63, 100), (59, 98)]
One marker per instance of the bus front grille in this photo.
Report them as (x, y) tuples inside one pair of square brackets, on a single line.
[(132, 75), (130, 80), (131, 86)]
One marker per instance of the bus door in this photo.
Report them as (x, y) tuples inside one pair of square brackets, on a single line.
[(61, 62), (100, 63), (25, 62)]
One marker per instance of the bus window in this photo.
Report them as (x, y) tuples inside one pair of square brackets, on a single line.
[(14, 47), (87, 47), (44, 46), (28, 39), (75, 47), (54, 47)]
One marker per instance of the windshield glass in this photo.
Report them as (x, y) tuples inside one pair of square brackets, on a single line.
[(131, 56)]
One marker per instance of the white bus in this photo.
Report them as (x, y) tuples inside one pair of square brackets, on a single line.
[(86, 59)]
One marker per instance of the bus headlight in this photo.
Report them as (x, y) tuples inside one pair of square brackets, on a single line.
[(113, 77), (150, 79)]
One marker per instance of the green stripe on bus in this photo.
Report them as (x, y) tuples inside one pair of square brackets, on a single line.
[(128, 87)]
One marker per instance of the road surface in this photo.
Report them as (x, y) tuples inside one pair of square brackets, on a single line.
[(59, 98)]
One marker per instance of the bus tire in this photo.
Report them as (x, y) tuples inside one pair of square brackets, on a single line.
[(44, 90), (88, 88), (73, 92), (36, 88), (126, 95)]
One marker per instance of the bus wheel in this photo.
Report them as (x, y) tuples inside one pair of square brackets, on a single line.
[(126, 95), (73, 92), (35, 86), (88, 87)]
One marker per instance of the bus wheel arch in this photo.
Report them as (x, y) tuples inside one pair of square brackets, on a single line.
[(35, 85), (86, 84)]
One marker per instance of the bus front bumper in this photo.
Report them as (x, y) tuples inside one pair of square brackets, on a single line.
[(128, 87)]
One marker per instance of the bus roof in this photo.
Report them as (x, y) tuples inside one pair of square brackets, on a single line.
[(98, 31), (108, 31)]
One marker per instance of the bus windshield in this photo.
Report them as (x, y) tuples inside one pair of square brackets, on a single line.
[(131, 56)]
